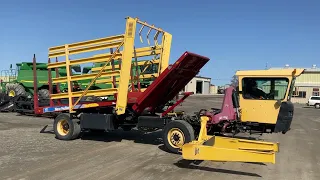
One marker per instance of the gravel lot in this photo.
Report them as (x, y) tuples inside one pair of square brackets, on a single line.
[(26, 153)]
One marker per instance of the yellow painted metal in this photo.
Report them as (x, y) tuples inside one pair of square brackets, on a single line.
[(126, 65), (60, 127), (270, 72), (172, 141), (93, 59), (264, 111), (124, 53), (85, 76), (106, 81), (80, 47), (68, 78), (12, 93), (145, 76), (244, 144), (216, 148), (261, 111), (165, 56), (98, 92), (140, 63)]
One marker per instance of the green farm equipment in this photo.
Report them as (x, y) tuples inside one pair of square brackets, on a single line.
[(19, 81)]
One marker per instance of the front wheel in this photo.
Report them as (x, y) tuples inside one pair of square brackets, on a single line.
[(176, 134), (317, 106)]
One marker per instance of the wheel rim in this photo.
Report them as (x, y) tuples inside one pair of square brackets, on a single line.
[(63, 127), (12, 93), (176, 138)]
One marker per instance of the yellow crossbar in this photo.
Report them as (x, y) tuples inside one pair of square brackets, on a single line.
[(140, 63), (85, 76), (80, 47), (99, 92)]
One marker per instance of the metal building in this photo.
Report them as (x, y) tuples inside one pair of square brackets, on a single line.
[(306, 85), (199, 85)]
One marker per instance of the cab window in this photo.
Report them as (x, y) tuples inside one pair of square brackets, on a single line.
[(264, 88), (315, 98)]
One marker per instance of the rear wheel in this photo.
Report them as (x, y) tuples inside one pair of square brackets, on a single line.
[(317, 106), (15, 89), (66, 128), (176, 134), (43, 94)]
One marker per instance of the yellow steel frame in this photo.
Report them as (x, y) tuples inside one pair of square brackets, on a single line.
[(124, 41), (146, 63), (217, 148)]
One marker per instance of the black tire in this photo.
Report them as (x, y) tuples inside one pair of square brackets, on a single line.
[(4, 98), (43, 94), (9, 107), (71, 129), (182, 129), (16, 88), (6, 103)]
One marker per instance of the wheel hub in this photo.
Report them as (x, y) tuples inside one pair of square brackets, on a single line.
[(63, 127), (176, 138), (11, 93)]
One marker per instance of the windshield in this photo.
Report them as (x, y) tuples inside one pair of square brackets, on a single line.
[(265, 88), (291, 88)]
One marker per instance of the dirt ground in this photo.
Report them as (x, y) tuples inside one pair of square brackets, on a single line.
[(25, 153)]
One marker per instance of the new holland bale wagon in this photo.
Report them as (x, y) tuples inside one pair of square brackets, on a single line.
[(203, 136)]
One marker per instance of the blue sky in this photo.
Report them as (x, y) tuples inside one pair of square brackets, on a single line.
[(236, 35)]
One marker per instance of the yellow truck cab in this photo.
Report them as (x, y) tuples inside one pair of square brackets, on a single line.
[(265, 98)]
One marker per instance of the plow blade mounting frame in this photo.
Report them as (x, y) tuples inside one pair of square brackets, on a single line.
[(216, 148)]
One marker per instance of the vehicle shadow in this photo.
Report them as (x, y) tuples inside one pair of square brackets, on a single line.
[(308, 107), (188, 165), (152, 138)]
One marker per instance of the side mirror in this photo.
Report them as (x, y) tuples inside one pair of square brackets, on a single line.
[(277, 104)]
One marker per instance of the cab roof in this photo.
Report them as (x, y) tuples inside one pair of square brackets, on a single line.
[(271, 72)]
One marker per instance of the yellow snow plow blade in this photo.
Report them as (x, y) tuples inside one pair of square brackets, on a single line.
[(215, 148)]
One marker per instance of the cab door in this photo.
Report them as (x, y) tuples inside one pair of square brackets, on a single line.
[(263, 109)]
